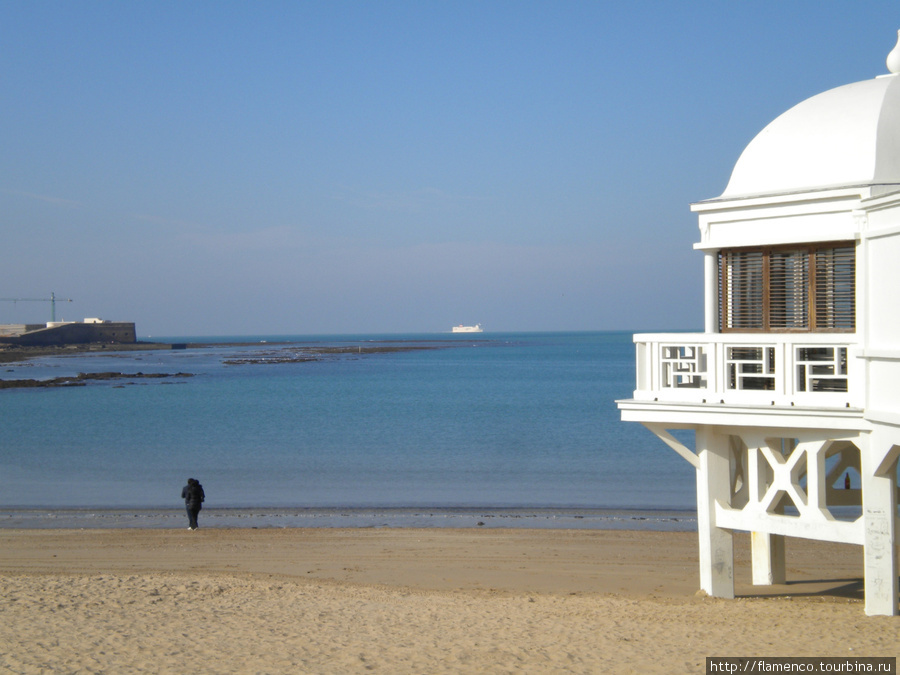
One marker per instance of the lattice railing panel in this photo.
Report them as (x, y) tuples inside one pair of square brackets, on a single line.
[(683, 366), (821, 368), (750, 367)]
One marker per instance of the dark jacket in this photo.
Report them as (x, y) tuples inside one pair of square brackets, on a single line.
[(192, 494)]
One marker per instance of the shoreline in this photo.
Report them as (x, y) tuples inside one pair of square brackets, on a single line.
[(396, 517), (317, 600)]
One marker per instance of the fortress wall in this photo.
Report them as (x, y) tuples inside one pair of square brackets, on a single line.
[(15, 329), (74, 333)]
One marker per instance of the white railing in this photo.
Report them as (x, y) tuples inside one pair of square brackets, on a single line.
[(809, 369)]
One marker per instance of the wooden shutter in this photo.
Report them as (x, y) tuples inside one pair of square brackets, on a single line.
[(741, 290), (835, 289), (788, 290)]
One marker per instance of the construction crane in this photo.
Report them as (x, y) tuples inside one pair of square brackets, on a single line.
[(52, 300)]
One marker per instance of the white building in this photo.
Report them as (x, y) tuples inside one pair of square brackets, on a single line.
[(794, 385)]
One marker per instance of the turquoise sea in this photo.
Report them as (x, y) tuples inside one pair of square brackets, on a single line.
[(491, 428)]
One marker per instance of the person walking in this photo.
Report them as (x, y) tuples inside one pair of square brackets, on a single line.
[(193, 497)]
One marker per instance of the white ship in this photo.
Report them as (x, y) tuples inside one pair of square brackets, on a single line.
[(467, 329)]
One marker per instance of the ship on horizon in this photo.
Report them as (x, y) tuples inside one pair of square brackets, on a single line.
[(467, 329)]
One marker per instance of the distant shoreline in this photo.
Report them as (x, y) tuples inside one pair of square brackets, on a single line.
[(13, 353)]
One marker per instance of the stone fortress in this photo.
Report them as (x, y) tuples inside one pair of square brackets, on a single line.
[(57, 333)]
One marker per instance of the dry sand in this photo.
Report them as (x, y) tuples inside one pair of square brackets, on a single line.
[(411, 601)]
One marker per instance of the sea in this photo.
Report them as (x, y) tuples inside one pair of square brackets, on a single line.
[(414, 430)]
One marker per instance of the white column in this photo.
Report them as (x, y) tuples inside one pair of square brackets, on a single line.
[(716, 544), (879, 498), (767, 556), (711, 291)]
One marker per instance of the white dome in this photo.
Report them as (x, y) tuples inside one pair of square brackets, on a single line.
[(847, 136)]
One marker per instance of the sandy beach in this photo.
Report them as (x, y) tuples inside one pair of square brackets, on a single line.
[(411, 601)]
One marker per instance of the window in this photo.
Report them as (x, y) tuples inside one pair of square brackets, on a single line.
[(810, 288)]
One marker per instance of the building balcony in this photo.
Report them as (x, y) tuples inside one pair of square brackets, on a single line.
[(783, 370)]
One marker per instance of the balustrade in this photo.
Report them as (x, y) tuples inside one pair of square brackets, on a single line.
[(766, 369)]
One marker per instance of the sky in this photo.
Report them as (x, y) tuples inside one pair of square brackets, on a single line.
[(286, 168)]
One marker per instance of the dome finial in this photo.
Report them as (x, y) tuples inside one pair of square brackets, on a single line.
[(893, 59)]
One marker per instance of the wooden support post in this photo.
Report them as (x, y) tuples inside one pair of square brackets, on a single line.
[(714, 483)]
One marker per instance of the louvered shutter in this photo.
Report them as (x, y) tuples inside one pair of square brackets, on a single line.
[(741, 290), (835, 293), (788, 290)]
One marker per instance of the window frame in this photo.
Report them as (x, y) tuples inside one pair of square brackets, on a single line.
[(741, 269)]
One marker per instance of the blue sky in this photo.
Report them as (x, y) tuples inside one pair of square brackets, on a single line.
[(346, 167)]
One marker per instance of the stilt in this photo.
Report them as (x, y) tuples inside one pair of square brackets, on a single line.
[(767, 555), (716, 544), (879, 492)]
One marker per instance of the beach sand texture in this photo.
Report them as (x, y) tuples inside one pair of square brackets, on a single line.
[(411, 601)]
